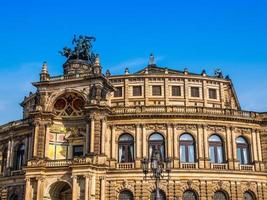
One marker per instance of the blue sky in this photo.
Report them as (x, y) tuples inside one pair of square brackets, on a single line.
[(194, 34)]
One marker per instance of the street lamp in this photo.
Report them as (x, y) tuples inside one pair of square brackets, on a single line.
[(156, 168)]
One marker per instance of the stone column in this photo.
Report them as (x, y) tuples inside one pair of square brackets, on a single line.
[(204, 92), (40, 188), (103, 187), (254, 146), (28, 189), (201, 159), (222, 95), (86, 188), (166, 91), (92, 136), (259, 149), (93, 188), (186, 91), (145, 150), (9, 148), (103, 134), (113, 143), (126, 92), (138, 146), (175, 148), (229, 148), (35, 140), (206, 147), (74, 187), (87, 143), (169, 141), (235, 161)]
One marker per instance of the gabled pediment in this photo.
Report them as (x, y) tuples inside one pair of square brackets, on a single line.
[(153, 69)]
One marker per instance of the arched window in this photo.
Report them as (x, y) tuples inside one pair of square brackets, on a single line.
[(19, 157), (126, 195), (248, 196), (162, 195), (242, 150), (13, 197), (4, 160), (156, 141), (216, 149), (189, 195), (220, 195), (126, 148), (187, 148)]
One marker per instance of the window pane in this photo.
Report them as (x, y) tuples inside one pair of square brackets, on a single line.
[(61, 152), (241, 140), (212, 93), (219, 154), (77, 150), (195, 92), (219, 196), (126, 195), (248, 196), (189, 195), (239, 155), (118, 92), (156, 90), (137, 90), (126, 137), (191, 155), (182, 153), (176, 91), (156, 136), (186, 137), (245, 155), (212, 155), (214, 138)]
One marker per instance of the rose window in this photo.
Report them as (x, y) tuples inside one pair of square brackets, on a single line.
[(69, 105)]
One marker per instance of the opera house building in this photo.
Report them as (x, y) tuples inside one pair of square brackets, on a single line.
[(154, 134)]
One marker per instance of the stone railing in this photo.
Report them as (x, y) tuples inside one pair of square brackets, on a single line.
[(180, 110), (14, 123), (218, 166), (58, 163), (125, 165), (188, 165), (247, 167)]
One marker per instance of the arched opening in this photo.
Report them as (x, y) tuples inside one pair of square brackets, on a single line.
[(189, 195), (4, 160), (157, 142), (19, 157), (187, 148), (126, 195), (220, 195), (60, 191), (162, 195), (242, 150), (126, 148), (216, 149), (249, 196)]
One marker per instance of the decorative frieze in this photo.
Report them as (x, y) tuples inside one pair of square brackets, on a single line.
[(216, 129)]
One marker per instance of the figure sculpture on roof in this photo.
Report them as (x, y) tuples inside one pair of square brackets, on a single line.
[(82, 49)]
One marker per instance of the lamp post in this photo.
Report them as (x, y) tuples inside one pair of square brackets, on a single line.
[(156, 168)]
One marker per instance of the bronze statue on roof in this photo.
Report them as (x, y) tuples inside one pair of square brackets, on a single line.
[(82, 49)]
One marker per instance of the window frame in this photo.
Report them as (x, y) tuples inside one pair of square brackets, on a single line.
[(160, 144), (210, 94), (187, 144), (19, 157), (160, 91), (128, 144), (135, 87), (192, 94), (243, 146), (179, 91), (116, 94), (217, 144)]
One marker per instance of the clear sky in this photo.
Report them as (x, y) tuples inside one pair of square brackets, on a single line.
[(197, 34)]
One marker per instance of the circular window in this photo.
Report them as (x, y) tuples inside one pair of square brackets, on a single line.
[(60, 104), (78, 104)]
